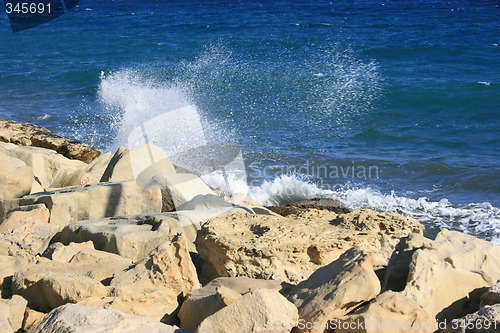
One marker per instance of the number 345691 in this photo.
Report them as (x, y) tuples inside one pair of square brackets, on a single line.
[(27, 8)]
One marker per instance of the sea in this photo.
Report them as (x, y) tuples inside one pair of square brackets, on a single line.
[(388, 105)]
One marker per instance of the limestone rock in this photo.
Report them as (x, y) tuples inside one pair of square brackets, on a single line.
[(447, 276), (49, 168), (31, 318), (98, 201), (318, 203), (50, 284), (336, 289), (82, 319), (129, 163), (95, 169), (12, 311), (168, 266), (203, 302), (59, 252), (132, 237), (262, 310), (26, 231), (15, 177), (492, 296), (32, 135), (390, 312), (291, 248), (8, 267), (486, 320), (158, 304)]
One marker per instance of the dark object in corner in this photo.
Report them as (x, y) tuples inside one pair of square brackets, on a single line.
[(317, 203)]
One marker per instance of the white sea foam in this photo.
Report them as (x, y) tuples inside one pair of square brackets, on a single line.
[(479, 219)]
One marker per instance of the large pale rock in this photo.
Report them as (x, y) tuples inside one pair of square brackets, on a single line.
[(49, 168), (447, 276), (50, 284), (82, 319), (128, 164), (12, 311), (95, 169), (8, 267), (260, 311), (168, 266), (98, 201), (31, 318), (26, 231), (291, 248), (335, 289), (390, 312), (59, 252), (158, 304), (15, 177), (203, 302), (492, 296), (132, 237), (486, 320), (32, 135)]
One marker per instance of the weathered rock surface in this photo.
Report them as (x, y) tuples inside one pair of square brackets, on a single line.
[(447, 276), (291, 248), (16, 177), (31, 318), (303, 205), (49, 168), (158, 304), (262, 310), (51, 283), (8, 267), (217, 294), (486, 320), (59, 252), (97, 201), (133, 237), (12, 313), (32, 135), (335, 289), (26, 231), (82, 319), (492, 296), (390, 312), (168, 266)]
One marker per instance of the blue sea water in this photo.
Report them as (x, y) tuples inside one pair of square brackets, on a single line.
[(390, 105)]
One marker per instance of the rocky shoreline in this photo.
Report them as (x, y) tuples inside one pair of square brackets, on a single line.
[(127, 242)]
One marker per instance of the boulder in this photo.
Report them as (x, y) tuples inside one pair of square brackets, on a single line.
[(16, 177), (203, 302), (335, 289), (50, 283), (12, 312), (82, 319), (471, 264), (32, 135), (26, 231), (262, 310), (158, 304), (492, 296), (390, 312), (8, 267), (129, 163), (59, 252), (303, 205), (291, 248), (133, 237), (49, 168), (485, 320), (97, 201), (31, 318), (168, 266), (95, 169)]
